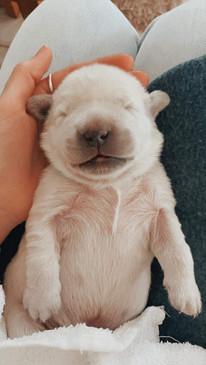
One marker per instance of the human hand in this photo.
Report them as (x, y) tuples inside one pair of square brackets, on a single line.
[(21, 159)]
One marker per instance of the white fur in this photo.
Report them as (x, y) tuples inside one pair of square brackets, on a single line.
[(90, 238)]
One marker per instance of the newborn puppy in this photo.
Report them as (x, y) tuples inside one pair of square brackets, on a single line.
[(103, 209)]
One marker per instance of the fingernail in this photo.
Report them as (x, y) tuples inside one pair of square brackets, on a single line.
[(42, 49)]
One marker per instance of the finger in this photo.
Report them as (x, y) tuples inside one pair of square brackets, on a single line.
[(122, 61), (142, 77), (26, 75)]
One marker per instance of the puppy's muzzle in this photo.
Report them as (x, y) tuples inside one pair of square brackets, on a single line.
[(102, 147), (96, 138)]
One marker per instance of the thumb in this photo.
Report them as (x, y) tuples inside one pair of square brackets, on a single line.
[(26, 75)]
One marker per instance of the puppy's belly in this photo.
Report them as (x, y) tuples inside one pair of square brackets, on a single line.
[(104, 283)]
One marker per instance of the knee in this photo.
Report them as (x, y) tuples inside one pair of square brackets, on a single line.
[(173, 38)]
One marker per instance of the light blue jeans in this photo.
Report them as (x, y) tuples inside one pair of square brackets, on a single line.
[(82, 30)]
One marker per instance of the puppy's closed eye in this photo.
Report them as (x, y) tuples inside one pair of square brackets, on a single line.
[(62, 114), (126, 104)]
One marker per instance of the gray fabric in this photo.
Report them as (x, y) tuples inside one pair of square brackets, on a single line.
[(183, 124)]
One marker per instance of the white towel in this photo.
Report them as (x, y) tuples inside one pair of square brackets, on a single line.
[(134, 343)]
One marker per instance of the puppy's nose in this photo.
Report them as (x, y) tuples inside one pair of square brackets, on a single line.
[(96, 138)]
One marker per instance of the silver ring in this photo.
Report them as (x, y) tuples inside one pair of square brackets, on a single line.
[(50, 84)]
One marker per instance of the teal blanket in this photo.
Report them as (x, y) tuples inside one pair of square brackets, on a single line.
[(183, 124)]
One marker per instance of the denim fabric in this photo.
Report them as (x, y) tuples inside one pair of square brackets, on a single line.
[(173, 38), (76, 31), (82, 30)]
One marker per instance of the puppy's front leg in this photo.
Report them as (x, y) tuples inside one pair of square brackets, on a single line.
[(169, 246), (42, 293)]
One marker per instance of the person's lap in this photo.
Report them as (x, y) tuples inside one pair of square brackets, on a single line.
[(80, 31)]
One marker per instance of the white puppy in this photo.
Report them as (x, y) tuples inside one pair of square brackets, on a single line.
[(103, 209)]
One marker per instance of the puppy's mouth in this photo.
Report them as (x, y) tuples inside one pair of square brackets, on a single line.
[(103, 164)]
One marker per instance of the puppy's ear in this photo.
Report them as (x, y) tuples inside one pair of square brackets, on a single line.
[(158, 101), (38, 106)]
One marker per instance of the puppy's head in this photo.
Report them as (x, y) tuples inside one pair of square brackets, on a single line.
[(100, 124)]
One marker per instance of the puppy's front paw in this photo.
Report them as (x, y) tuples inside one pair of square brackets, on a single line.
[(185, 297), (42, 304)]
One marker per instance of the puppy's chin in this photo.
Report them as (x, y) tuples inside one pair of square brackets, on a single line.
[(99, 172), (102, 165)]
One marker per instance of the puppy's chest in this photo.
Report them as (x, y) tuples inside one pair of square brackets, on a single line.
[(106, 216)]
